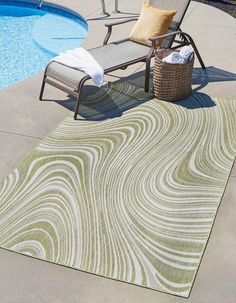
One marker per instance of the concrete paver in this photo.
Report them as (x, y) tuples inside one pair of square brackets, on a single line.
[(10, 144), (24, 120)]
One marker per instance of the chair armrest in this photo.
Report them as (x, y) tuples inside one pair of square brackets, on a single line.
[(110, 25), (179, 32), (120, 22)]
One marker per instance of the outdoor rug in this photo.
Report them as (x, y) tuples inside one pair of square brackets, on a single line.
[(132, 197)]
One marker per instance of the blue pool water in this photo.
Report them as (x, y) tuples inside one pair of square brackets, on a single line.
[(30, 38)]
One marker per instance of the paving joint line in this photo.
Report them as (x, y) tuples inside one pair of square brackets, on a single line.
[(18, 134)]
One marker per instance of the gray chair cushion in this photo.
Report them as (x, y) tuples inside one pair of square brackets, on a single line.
[(114, 54), (108, 56)]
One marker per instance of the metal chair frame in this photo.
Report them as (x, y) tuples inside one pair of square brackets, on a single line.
[(178, 37)]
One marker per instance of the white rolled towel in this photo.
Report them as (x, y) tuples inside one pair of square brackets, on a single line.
[(186, 52), (82, 60), (174, 58)]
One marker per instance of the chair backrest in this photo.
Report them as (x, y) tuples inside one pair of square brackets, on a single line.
[(180, 6)]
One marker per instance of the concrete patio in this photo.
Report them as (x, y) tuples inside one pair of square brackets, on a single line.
[(25, 121)]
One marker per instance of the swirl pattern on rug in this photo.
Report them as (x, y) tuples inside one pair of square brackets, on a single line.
[(132, 197)]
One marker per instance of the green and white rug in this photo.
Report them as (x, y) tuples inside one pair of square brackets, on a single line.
[(131, 198)]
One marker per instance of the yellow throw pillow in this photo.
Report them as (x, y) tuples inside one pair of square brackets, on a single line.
[(151, 22)]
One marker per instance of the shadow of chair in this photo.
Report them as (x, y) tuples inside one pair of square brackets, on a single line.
[(111, 100), (210, 74), (116, 97)]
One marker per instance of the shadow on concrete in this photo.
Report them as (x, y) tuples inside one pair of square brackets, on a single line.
[(116, 97), (197, 100), (202, 77)]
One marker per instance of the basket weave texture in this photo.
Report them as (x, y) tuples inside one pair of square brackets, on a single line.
[(171, 82)]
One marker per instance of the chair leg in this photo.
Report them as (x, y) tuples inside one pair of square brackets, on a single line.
[(148, 67), (197, 52), (77, 106), (147, 76), (42, 90), (43, 84), (198, 56)]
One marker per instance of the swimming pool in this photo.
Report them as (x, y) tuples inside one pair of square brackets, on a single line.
[(31, 37)]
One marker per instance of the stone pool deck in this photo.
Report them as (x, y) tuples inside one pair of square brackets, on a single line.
[(25, 121)]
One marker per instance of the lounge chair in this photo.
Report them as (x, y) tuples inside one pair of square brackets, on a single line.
[(121, 54)]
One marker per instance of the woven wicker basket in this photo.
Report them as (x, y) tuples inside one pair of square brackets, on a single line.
[(171, 82)]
